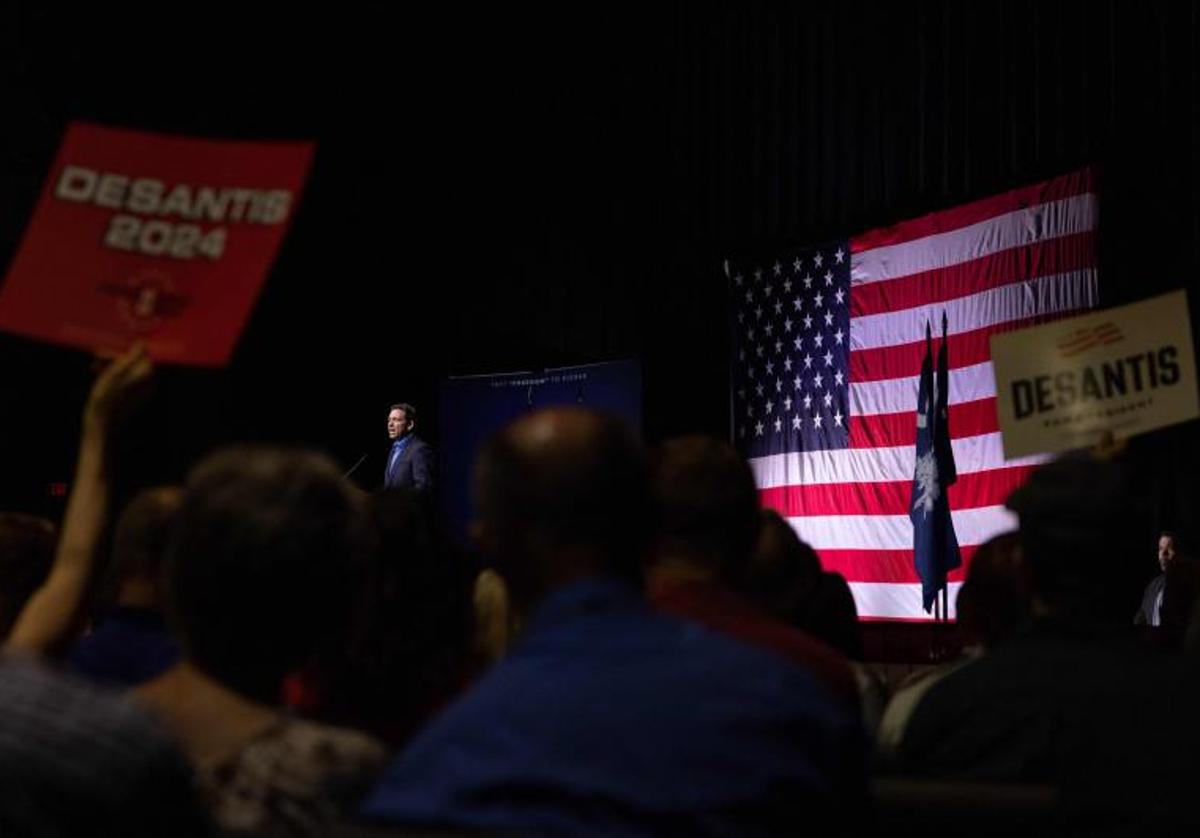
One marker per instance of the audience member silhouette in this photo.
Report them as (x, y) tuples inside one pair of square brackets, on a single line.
[(785, 575), (993, 604), (262, 567), (606, 717), (708, 524), (1074, 700), (129, 642), (408, 647), (26, 552)]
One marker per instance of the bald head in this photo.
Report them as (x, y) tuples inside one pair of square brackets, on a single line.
[(560, 494)]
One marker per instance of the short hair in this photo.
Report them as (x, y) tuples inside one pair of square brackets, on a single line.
[(410, 412), (782, 568), (1182, 545), (585, 488), (993, 601), (706, 502), (26, 553), (143, 533), (263, 563)]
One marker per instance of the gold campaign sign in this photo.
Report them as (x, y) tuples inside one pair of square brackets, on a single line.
[(1073, 383)]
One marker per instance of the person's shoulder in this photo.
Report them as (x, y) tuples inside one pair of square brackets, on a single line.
[(304, 758), (32, 695), (329, 746), (296, 777)]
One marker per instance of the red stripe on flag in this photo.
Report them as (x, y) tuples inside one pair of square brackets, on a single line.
[(884, 430), (1045, 258), (891, 566), (966, 350), (972, 491), (1076, 183)]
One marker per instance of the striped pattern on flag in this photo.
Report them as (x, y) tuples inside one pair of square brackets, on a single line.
[(1003, 263)]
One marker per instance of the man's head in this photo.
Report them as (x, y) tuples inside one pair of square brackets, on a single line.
[(994, 600), (1080, 527), (783, 569), (707, 505), (1168, 550), (140, 545), (402, 418), (561, 494), (26, 553), (262, 563)]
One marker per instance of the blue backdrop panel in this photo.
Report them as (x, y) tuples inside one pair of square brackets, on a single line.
[(474, 407)]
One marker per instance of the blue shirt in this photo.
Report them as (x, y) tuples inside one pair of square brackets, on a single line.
[(397, 449), (127, 647), (609, 718)]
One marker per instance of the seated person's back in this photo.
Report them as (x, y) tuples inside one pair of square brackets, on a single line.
[(75, 761), (1073, 699), (606, 717)]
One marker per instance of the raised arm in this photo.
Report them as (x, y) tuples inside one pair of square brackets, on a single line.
[(55, 610)]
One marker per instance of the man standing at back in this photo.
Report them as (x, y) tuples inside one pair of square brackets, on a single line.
[(606, 717), (1150, 614), (410, 459)]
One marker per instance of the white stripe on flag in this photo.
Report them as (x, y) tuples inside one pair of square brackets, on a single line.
[(888, 599), (972, 454), (1020, 300), (993, 235), (895, 532), (899, 395)]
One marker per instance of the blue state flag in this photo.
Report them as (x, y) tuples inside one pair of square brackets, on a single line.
[(935, 546)]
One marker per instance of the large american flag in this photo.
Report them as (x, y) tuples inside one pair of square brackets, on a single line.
[(827, 350)]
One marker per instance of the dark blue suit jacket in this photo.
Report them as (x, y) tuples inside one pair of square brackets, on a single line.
[(413, 469)]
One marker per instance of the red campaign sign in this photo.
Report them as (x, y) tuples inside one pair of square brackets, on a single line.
[(149, 237)]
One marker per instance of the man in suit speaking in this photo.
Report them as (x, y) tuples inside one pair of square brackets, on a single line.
[(410, 461)]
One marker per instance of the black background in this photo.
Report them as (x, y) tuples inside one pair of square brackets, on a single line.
[(522, 188)]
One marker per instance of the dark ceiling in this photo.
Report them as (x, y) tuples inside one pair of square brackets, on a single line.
[(512, 189)]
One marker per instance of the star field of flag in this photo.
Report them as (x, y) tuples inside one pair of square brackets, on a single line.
[(791, 345)]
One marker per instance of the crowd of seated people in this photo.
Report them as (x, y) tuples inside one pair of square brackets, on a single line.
[(635, 646)]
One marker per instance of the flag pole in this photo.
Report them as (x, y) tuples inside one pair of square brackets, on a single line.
[(933, 634)]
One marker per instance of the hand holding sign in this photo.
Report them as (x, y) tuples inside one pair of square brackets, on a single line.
[(117, 389)]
